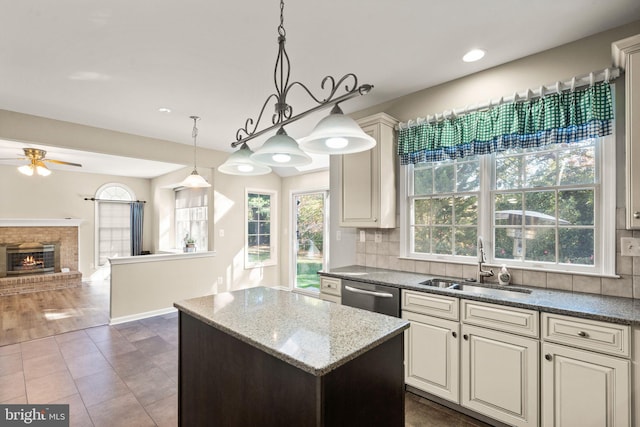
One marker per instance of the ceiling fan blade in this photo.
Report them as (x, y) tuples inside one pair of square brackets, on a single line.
[(15, 158), (60, 162)]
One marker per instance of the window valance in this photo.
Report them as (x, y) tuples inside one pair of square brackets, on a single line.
[(553, 118)]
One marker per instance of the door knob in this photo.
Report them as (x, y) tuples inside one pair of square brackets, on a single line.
[(466, 337), (455, 335), (548, 356), (636, 215), (583, 334)]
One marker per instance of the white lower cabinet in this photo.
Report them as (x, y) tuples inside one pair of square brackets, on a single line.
[(499, 373), (432, 355), (519, 366), (581, 387)]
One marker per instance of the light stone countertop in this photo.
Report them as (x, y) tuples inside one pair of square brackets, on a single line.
[(588, 306), (313, 335)]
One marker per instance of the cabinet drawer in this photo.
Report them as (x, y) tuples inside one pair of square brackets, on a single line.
[(508, 319), (330, 298), (589, 334), (330, 285), (430, 304)]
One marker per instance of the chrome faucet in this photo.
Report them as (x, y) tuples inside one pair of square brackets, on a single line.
[(481, 260)]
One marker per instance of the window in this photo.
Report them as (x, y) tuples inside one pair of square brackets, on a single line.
[(551, 208), (260, 245), (192, 218), (113, 222)]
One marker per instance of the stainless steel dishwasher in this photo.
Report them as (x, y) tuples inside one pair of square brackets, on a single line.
[(372, 297)]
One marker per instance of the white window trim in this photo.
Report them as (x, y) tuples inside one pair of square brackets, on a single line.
[(606, 220), (273, 260), (292, 227)]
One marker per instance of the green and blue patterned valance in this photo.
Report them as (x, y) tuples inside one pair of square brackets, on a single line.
[(551, 119)]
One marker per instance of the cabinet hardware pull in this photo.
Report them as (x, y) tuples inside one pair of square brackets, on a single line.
[(583, 334), (454, 334), (466, 337), (636, 215), (548, 357)]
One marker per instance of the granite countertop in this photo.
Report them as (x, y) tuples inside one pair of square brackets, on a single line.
[(313, 335), (589, 306)]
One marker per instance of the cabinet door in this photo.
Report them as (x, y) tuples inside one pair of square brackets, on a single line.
[(499, 374), (582, 388), (432, 355), (360, 190)]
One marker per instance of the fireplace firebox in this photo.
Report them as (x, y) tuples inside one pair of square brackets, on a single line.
[(31, 258)]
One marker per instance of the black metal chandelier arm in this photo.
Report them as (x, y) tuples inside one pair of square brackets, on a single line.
[(360, 90), (245, 130)]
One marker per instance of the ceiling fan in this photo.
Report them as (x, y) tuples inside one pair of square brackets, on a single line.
[(36, 158)]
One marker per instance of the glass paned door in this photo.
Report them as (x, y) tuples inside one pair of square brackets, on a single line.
[(309, 249)]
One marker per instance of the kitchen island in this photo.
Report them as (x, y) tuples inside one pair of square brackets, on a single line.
[(266, 357)]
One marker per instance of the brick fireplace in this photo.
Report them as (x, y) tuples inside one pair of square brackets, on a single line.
[(38, 255)]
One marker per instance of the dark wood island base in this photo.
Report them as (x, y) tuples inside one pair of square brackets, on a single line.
[(224, 381)]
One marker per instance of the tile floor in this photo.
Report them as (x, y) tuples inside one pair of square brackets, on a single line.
[(126, 375)]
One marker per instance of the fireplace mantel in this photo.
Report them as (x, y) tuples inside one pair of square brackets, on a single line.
[(40, 222)]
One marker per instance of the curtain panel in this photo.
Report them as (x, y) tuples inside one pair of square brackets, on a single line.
[(137, 225), (551, 119)]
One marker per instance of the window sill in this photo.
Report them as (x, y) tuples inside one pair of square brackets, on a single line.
[(512, 267)]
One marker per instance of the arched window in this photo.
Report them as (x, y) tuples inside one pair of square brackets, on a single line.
[(113, 225)]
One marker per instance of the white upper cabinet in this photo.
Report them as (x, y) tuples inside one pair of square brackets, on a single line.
[(626, 55), (368, 178)]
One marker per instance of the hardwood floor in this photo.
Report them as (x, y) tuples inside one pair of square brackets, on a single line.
[(25, 317)]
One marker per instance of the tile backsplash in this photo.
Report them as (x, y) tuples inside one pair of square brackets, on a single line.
[(384, 253)]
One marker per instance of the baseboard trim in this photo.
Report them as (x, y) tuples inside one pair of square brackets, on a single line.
[(138, 316)]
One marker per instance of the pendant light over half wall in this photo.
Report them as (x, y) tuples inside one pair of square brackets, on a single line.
[(194, 180), (337, 134)]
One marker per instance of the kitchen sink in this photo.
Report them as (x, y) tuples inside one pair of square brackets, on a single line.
[(476, 288)]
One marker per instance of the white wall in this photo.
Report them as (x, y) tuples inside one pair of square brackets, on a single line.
[(61, 195)]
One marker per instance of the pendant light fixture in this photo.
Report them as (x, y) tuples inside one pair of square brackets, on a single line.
[(337, 134), (194, 180), (281, 150), (337, 137), (240, 163)]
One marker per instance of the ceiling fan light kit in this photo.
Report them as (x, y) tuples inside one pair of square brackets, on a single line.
[(36, 165), (336, 134)]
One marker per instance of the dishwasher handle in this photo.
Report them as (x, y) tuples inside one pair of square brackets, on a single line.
[(373, 293)]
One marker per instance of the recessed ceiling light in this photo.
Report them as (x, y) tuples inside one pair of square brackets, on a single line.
[(473, 55), (164, 110)]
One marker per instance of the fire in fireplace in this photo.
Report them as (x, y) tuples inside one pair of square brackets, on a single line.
[(30, 258)]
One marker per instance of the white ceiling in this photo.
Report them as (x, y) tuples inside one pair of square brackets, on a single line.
[(114, 64)]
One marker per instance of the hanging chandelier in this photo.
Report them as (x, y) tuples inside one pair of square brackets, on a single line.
[(335, 134), (195, 180)]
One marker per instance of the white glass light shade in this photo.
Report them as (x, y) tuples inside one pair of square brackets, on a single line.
[(38, 168), (43, 170), (240, 163), (195, 181), (281, 150), (26, 169), (337, 134)]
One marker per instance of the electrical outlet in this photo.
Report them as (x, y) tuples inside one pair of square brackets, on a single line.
[(378, 237), (220, 280), (363, 236), (630, 246), (338, 235), (221, 232)]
